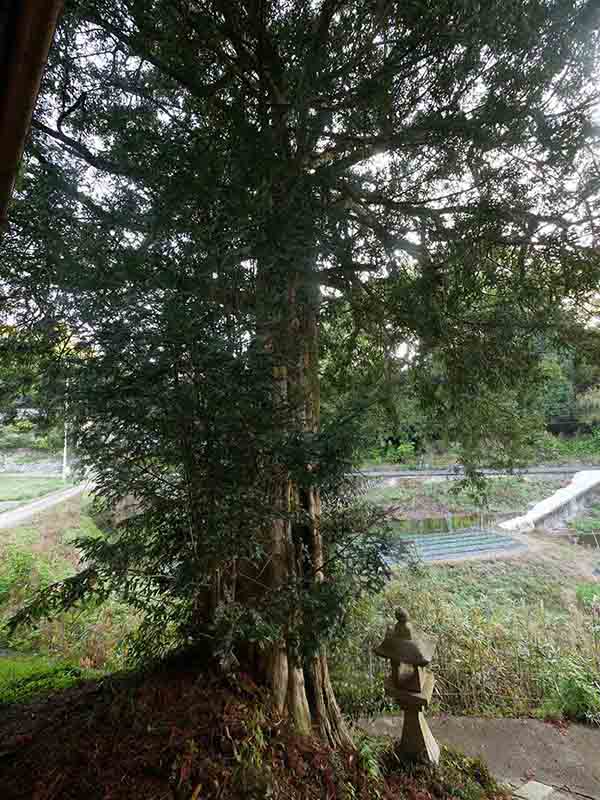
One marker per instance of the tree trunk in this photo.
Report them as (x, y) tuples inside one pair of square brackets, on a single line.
[(300, 689)]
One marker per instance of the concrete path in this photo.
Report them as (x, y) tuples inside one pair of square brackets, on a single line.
[(15, 517), (562, 762)]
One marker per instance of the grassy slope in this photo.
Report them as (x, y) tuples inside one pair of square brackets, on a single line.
[(513, 638), (26, 488), (504, 495), (35, 555), (24, 677)]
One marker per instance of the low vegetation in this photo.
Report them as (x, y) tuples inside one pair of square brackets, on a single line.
[(583, 448), (24, 435), (502, 495), (36, 555), (545, 448), (513, 641), (17, 488), (588, 522), (23, 678)]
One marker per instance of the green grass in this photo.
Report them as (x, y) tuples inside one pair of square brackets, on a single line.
[(26, 488), (23, 678), (387, 459), (512, 641), (588, 596), (510, 494)]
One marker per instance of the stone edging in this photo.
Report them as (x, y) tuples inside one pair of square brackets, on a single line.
[(563, 504)]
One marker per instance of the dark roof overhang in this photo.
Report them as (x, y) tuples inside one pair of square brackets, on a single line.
[(26, 31)]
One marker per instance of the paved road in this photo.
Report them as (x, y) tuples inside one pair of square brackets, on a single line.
[(567, 469), (15, 517)]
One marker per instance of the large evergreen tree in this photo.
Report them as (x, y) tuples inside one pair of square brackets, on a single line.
[(199, 172)]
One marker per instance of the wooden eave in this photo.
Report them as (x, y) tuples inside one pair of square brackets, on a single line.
[(26, 31)]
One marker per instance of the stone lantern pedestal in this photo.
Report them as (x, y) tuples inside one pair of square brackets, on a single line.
[(411, 686)]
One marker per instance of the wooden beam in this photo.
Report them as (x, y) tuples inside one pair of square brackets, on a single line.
[(26, 31)]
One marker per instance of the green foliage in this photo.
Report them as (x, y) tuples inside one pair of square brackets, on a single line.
[(588, 406), (12, 438), (358, 698), (52, 440), (23, 572), (466, 778), (574, 693), (555, 449), (31, 381), (369, 752), (509, 644), (93, 635), (401, 453), (500, 494), (588, 522), (23, 434), (558, 393), (456, 775)]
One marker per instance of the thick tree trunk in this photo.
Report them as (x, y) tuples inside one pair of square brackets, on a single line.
[(300, 689)]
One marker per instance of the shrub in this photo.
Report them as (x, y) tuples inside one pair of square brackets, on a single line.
[(22, 572), (23, 425), (23, 434), (402, 453), (579, 448), (12, 439)]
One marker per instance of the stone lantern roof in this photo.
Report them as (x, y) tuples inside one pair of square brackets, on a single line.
[(405, 645)]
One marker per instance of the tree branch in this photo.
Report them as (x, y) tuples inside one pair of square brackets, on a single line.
[(75, 147)]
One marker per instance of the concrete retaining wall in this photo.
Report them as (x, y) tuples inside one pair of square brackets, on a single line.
[(564, 504)]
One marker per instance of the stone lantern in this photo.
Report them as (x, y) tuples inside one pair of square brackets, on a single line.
[(411, 685)]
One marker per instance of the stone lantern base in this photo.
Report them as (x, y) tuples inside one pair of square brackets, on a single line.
[(417, 740)]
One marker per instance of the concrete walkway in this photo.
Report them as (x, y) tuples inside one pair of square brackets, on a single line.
[(560, 762), (9, 519)]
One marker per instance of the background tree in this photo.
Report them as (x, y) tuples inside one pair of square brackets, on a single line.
[(200, 171), (31, 377)]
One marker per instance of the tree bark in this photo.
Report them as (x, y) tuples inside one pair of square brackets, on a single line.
[(301, 688)]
